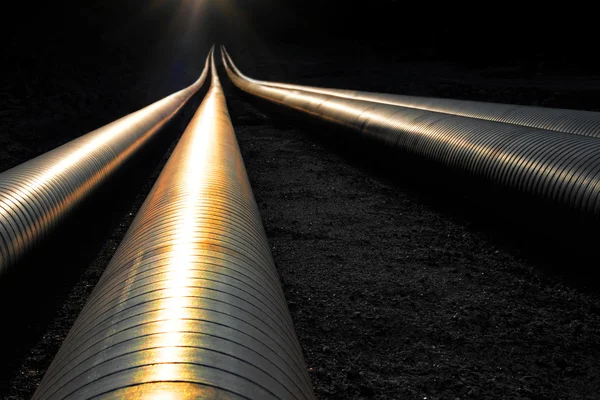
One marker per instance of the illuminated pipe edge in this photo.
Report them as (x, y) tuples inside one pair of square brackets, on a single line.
[(38, 195), (557, 167), (190, 305), (579, 122)]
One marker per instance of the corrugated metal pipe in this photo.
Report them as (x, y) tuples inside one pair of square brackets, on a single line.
[(38, 195), (191, 305), (557, 167), (586, 123)]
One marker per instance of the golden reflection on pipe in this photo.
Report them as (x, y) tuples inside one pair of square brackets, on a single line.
[(173, 308), (579, 122), (190, 306), (557, 167), (39, 194)]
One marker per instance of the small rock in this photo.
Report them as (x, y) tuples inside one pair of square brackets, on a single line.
[(472, 391)]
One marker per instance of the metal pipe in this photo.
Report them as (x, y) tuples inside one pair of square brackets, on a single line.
[(190, 306), (561, 168), (585, 123), (38, 195)]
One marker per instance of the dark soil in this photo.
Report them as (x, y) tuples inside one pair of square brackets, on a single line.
[(398, 285), (399, 289)]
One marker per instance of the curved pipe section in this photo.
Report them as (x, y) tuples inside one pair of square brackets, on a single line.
[(585, 123), (191, 305), (36, 196), (557, 167)]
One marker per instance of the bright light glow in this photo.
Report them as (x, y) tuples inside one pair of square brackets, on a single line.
[(195, 148)]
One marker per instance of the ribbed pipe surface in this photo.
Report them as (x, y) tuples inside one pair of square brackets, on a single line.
[(585, 123), (558, 167), (36, 196), (191, 305)]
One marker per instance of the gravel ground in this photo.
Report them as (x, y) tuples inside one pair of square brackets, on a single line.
[(395, 294), (398, 289)]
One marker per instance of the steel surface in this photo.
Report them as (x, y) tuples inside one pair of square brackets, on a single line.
[(38, 195), (190, 306), (585, 123), (556, 167)]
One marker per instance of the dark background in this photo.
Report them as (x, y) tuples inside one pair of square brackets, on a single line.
[(473, 34), (450, 301), (144, 33)]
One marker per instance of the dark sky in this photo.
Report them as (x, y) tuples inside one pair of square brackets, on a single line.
[(490, 31), (484, 32)]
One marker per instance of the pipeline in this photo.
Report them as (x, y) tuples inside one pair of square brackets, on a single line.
[(558, 168), (38, 195), (585, 123), (190, 306)]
